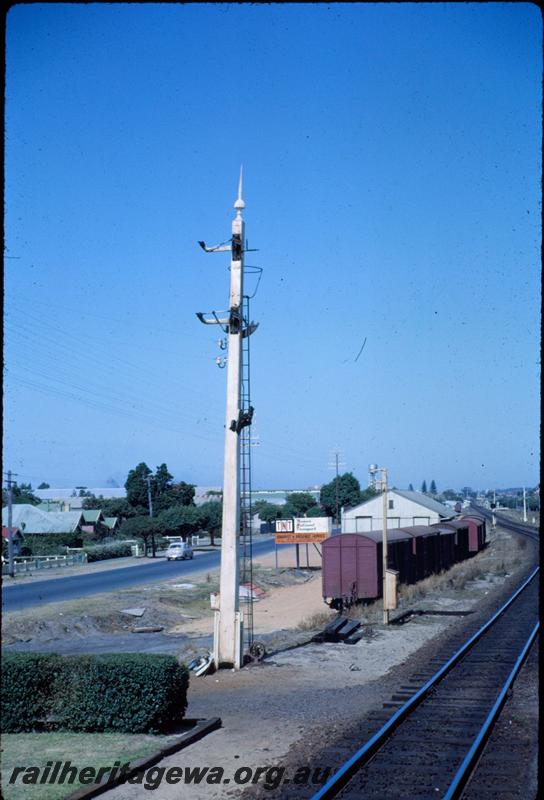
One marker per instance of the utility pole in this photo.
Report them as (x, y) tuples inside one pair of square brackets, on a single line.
[(336, 458), (336, 466), (384, 547), (11, 562), (493, 507), (373, 469), (150, 504), (524, 506), (228, 620)]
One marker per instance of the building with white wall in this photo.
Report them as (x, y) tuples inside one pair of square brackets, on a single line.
[(404, 509)]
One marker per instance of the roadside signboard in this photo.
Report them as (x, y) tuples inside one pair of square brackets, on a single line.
[(303, 530)]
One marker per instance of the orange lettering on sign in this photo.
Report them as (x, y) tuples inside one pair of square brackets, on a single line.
[(300, 538)]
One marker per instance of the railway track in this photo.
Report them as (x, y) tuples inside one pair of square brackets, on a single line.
[(430, 746), (511, 525)]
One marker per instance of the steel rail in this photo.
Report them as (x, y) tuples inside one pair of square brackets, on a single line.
[(532, 531), (370, 747), (466, 769)]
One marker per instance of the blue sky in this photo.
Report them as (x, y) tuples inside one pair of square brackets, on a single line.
[(392, 183)]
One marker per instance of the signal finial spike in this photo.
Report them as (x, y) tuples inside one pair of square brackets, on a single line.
[(239, 204)]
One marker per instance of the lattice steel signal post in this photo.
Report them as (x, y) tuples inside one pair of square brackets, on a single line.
[(235, 323)]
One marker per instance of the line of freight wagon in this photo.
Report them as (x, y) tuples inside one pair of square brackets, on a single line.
[(352, 562)]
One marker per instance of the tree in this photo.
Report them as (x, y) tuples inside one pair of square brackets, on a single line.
[(114, 507), (300, 502), (141, 527), (184, 493), (136, 485), (424, 487), (268, 512), (162, 480), (92, 502), (316, 511), (212, 518), (432, 488), (349, 493), (367, 493), (120, 507), (181, 520), (177, 494), (410, 487), (287, 511), (21, 493), (44, 485)]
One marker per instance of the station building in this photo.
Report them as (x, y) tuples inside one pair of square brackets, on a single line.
[(404, 509)]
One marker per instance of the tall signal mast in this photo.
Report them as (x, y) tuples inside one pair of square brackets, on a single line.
[(228, 636)]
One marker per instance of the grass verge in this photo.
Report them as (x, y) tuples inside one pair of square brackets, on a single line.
[(81, 749)]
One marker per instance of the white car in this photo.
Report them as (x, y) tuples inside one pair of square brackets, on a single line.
[(179, 550)]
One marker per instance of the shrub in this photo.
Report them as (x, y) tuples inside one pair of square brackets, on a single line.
[(27, 679), (101, 552), (317, 620), (50, 544), (125, 692)]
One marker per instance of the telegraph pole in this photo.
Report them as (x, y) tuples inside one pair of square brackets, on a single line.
[(524, 506), (228, 620), (384, 547), (336, 466), (336, 459), (373, 469), (11, 562), (150, 503)]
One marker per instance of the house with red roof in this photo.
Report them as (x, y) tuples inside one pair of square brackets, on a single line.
[(17, 538)]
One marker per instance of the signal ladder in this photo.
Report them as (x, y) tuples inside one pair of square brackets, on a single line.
[(246, 536)]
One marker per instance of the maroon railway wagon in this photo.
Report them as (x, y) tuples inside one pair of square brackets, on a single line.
[(353, 567), (461, 528), (428, 545), (352, 562), (476, 532)]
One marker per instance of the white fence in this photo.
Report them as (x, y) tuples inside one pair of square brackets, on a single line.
[(33, 563)]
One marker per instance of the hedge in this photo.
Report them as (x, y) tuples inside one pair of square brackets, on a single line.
[(99, 553), (124, 692), (48, 544), (27, 679)]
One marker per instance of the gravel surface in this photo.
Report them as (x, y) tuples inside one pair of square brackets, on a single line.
[(508, 767)]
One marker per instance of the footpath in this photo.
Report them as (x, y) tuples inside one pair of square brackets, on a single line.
[(93, 567)]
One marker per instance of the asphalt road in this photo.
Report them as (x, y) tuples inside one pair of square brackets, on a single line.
[(15, 598)]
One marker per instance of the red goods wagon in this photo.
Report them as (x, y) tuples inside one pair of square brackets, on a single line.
[(352, 562), (447, 546), (353, 566), (427, 543), (476, 532), (399, 554), (460, 526), (482, 539), (401, 546), (350, 570)]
